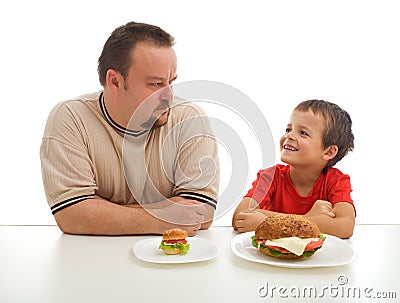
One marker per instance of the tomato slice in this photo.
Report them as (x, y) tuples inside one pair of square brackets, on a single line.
[(280, 249), (183, 241), (310, 246), (313, 245)]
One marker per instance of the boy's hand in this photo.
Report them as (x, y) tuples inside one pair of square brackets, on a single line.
[(248, 221), (321, 207)]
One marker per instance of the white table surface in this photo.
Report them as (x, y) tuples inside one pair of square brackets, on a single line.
[(41, 264)]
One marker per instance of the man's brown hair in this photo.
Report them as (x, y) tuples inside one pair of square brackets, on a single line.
[(116, 52)]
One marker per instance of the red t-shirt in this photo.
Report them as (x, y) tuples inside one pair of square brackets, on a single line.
[(282, 196)]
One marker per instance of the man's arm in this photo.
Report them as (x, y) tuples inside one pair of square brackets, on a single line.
[(100, 217)]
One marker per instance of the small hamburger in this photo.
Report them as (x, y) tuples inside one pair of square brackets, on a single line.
[(288, 236), (174, 242)]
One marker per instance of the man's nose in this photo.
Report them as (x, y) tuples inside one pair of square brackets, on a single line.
[(167, 94)]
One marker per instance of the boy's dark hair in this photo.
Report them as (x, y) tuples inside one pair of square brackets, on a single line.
[(337, 129), (116, 52)]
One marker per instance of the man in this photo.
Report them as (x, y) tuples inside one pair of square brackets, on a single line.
[(124, 161)]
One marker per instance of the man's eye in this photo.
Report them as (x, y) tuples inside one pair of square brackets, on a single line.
[(157, 84), (287, 130)]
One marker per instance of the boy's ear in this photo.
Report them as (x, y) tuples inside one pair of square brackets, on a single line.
[(330, 152)]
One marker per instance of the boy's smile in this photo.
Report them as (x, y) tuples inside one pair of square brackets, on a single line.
[(289, 147), (302, 143)]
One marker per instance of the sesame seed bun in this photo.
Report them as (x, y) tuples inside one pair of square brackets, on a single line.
[(175, 251), (175, 234)]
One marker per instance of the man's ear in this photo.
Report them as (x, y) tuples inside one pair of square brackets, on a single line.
[(330, 152), (114, 80)]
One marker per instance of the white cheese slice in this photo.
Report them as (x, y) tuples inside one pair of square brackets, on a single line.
[(293, 244), (169, 244)]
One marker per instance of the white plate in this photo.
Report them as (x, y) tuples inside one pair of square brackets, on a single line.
[(334, 252), (200, 250)]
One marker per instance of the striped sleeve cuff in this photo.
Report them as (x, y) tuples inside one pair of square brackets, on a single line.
[(66, 203), (198, 197)]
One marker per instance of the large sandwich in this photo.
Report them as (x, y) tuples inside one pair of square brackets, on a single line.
[(174, 242), (288, 236)]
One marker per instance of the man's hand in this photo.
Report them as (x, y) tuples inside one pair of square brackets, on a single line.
[(208, 214), (248, 221), (182, 213), (173, 214)]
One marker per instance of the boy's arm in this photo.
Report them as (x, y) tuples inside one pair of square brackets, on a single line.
[(244, 206), (341, 225), (248, 215)]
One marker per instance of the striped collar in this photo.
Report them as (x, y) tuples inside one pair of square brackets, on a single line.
[(115, 125)]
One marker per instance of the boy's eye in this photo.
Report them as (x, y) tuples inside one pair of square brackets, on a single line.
[(303, 133)]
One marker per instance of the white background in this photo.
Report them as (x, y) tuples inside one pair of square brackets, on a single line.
[(277, 52)]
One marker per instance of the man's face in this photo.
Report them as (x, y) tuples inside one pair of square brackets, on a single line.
[(147, 93)]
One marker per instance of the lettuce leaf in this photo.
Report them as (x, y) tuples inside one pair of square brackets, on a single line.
[(183, 247), (253, 241)]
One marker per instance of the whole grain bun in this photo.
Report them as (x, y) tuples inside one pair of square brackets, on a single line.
[(286, 225), (175, 234)]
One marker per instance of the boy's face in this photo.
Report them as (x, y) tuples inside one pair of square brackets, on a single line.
[(302, 143)]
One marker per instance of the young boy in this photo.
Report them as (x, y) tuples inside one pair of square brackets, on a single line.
[(317, 137)]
